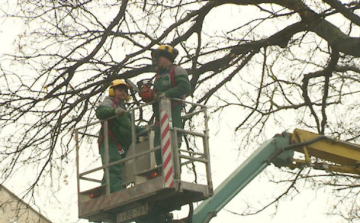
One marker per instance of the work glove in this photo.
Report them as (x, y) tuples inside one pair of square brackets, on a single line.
[(120, 111), (159, 95)]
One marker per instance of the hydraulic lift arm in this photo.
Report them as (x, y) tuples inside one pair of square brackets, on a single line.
[(326, 154), (319, 151)]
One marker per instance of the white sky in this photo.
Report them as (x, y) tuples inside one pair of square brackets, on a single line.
[(310, 206)]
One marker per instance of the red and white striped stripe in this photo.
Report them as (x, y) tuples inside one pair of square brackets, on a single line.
[(166, 149)]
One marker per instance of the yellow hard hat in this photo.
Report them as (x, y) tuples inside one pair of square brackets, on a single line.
[(115, 83), (166, 51)]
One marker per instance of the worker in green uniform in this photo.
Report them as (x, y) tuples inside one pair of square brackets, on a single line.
[(119, 130), (171, 81)]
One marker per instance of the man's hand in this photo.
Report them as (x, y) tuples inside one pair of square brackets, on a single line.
[(120, 111), (159, 95)]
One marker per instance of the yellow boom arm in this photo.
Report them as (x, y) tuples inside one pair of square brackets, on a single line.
[(321, 152)]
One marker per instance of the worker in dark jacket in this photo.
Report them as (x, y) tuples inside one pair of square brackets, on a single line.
[(171, 81), (119, 130)]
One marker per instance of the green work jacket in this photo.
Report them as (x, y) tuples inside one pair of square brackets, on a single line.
[(120, 126), (164, 84)]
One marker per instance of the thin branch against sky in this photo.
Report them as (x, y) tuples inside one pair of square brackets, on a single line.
[(264, 60)]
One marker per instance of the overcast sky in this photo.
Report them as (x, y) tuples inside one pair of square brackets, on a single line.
[(309, 206)]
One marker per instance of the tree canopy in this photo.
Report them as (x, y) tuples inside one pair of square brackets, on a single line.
[(277, 63)]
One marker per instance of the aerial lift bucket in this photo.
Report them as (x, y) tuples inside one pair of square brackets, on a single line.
[(151, 190)]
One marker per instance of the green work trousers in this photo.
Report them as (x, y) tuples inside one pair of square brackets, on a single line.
[(115, 171)]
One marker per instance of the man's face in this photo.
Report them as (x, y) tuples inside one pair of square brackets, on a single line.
[(163, 62), (121, 92), (160, 61)]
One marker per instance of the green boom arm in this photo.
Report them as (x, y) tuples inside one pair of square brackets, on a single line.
[(244, 174), (332, 155)]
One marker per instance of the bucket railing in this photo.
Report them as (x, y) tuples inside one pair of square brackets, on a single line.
[(180, 157)]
